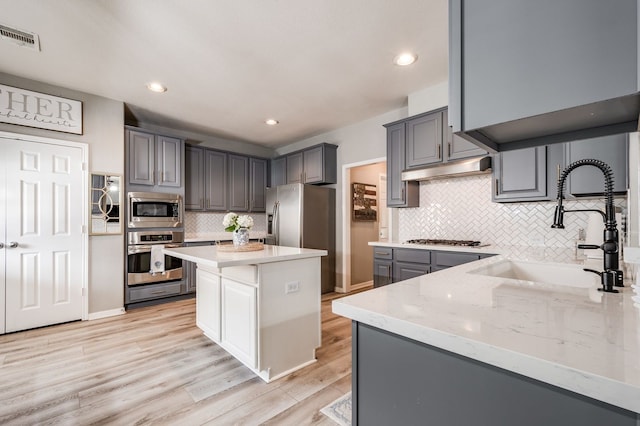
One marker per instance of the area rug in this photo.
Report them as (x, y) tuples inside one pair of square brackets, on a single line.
[(339, 410)]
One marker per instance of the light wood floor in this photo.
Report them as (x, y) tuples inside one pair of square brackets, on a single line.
[(154, 366)]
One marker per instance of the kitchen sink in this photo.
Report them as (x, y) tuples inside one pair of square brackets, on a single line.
[(549, 273)]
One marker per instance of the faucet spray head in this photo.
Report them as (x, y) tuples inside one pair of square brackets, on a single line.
[(558, 218)]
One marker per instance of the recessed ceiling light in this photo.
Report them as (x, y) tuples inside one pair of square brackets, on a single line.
[(154, 86), (271, 122), (405, 59)]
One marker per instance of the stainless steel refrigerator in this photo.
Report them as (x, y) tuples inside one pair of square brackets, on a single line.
[(304, 216)]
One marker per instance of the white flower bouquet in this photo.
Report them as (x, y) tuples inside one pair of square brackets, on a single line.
[(232, 222)]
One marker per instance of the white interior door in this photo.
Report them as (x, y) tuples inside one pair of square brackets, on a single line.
[(44, 236)]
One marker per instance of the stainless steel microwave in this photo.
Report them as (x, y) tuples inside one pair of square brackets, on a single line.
[(155, 210)]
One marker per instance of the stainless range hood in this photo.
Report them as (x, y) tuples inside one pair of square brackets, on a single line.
[(472, 166)]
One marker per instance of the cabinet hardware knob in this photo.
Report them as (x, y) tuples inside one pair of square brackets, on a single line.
[(13, 244), (1, 245)]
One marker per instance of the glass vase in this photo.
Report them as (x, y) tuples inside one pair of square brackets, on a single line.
[(241, 237)]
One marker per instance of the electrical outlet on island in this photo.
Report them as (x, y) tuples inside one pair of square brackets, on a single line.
[(291, 287)]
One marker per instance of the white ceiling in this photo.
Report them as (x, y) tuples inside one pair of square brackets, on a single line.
[(314, 65)]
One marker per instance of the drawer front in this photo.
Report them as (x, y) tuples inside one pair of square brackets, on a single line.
[(155, 291), (448, 258), (383, 253), (409, 255)]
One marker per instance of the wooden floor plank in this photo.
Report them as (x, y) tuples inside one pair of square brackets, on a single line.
[(154, 366)]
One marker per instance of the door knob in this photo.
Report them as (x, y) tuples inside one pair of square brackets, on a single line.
[(13, 244), (1, 245)]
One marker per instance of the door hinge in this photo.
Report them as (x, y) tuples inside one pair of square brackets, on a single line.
[(84, 167), (83, 229)]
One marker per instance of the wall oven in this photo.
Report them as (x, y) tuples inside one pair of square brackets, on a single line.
[(155, 210), (139, 257)]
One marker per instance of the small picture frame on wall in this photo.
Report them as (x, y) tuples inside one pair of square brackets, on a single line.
[(364, 202)]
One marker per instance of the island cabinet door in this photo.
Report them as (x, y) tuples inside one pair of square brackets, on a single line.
[(239, 321), (208, 303)]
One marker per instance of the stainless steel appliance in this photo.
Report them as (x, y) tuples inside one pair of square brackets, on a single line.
[(426, 241), (139, 257), (304, 216), (155, 210)]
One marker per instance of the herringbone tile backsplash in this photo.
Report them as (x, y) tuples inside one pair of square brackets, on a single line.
[(203, 222), (461, 209)]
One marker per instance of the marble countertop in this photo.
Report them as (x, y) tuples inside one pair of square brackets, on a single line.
[(218, 236), (576, 338), (210, 255)]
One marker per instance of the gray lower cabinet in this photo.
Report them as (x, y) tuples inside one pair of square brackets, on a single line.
[(382, 266), (155, 291), (391, 265), (399, 381), (189, 268), (513, 59), (153, 160)]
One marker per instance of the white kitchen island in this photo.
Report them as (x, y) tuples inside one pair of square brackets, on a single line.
[(263, 307)]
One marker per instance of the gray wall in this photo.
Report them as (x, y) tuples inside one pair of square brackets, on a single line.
[(103, 127)]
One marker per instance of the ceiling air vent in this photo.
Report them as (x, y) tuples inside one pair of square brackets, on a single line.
[(21, 38)]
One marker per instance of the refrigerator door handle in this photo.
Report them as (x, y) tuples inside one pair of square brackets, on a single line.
[(276, 222)]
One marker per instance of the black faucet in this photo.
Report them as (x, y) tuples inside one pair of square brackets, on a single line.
[(612, 275)]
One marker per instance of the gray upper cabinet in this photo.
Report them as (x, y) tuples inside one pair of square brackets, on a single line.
[(215, 182), (315, 165), (154, 160), (279, 171), (294, 168), (141, 157), (399, 193), (457, 148), (424, 140), (221, 181), (169, 155), (589, 181), (258, 182), (194, 178), (542, 63), (520, 174), (531, 174), (238, 169)]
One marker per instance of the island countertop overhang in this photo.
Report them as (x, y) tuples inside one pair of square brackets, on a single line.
[(211, 256)]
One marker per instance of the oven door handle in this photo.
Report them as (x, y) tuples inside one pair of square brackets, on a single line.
[(147, 248)]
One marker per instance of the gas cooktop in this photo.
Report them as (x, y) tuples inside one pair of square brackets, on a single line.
[(467, 243)]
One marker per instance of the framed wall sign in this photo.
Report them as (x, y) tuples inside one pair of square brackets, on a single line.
[(33, 109), (364, 202)]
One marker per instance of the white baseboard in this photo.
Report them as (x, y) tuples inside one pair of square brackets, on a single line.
[(106, 314)]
